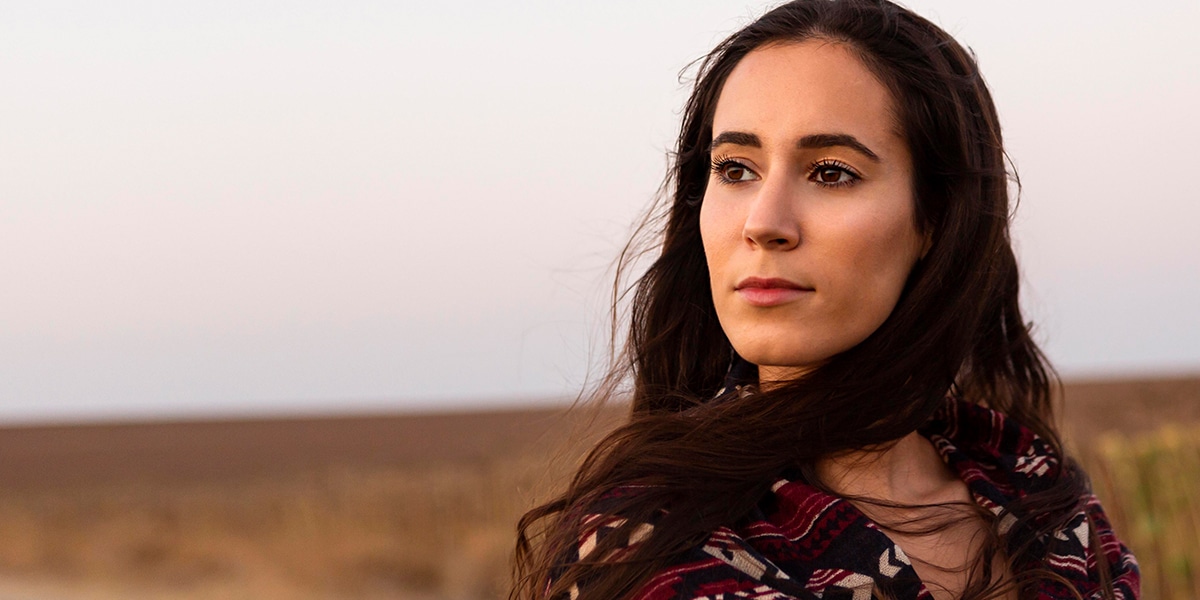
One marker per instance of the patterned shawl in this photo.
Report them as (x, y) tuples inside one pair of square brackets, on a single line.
[(802, 543)]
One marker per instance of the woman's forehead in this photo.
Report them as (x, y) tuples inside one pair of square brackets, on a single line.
[(785, 91)]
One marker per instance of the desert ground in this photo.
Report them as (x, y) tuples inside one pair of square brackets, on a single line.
[(423, 506)]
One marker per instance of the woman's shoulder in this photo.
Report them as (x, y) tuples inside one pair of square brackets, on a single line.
[(801, 542), (1003, 462), (997, 457)]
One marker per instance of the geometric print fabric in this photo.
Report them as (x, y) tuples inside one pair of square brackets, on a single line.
[(801, 543)]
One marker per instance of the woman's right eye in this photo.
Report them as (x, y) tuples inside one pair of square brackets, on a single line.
[(732, 171)]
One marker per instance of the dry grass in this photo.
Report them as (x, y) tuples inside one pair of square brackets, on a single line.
[(430, 524), (434, 533), (1151, 485)]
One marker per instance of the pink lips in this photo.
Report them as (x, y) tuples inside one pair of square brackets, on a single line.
[(769, 292)]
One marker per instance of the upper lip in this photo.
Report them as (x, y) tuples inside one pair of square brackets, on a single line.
[(770, 283)]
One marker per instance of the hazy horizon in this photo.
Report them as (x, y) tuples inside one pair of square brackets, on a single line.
[(322, 207)]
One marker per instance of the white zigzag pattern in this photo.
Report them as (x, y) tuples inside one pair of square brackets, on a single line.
[(886, 564), (1074, 563), (739, 558), (1034, 465), (588, 545), (822, 579), (1081, 531)]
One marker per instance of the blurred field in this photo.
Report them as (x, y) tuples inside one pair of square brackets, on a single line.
[(423, 507)]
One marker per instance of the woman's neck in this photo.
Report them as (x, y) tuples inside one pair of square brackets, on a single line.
[(910, 471), (943, 541)]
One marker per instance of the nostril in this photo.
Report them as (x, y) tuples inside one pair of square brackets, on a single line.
[(770, 235)]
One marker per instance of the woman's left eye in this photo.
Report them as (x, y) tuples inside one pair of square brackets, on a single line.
[(832, 174)]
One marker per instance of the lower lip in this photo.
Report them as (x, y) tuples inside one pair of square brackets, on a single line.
[(770, 296)]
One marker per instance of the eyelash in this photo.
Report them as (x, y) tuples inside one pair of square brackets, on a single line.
[(720, 163), (833, 164)]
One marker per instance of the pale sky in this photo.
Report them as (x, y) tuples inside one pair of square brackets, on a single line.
[(223, 208)]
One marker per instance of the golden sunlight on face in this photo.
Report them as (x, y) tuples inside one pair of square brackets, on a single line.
[(807, 220)]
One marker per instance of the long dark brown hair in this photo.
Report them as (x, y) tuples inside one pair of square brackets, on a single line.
[(699, 465)]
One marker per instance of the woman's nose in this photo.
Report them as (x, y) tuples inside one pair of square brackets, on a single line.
[(772, 222)]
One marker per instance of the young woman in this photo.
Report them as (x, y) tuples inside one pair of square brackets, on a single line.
[(834, 392)]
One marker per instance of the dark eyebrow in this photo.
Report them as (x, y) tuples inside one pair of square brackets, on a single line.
[(828, 140), (816, 140), (737, 138)]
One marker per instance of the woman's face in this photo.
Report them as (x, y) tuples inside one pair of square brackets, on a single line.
[(808, 218)]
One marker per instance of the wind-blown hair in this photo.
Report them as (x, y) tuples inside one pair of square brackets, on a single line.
[(957, 327)]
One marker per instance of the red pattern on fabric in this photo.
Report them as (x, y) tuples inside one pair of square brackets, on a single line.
[(803, 543)]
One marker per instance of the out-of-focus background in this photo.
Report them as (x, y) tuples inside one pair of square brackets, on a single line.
[(295, 293)]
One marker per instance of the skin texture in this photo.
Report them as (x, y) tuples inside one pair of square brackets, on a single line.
[(830, 219), (911, 472), (812, 185)]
